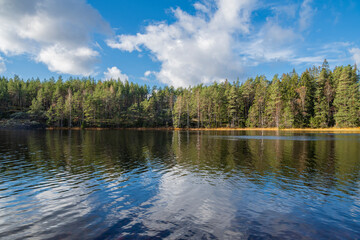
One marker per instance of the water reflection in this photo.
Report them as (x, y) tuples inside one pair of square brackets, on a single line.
[(158, 184)]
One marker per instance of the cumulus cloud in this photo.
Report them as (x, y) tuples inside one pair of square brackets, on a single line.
[(218, 41), (196, 48), (115, 73), (56, 33), (78, 61)]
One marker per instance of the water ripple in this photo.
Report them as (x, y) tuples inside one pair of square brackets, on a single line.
[(178, 185)]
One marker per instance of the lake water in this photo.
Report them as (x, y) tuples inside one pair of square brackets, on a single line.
[(179, 185)]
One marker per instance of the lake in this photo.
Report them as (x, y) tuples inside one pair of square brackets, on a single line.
[(128, 184)]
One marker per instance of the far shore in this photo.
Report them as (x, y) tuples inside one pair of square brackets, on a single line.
[(337, 130)]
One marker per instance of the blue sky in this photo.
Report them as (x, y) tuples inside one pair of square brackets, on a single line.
[(173, 42)]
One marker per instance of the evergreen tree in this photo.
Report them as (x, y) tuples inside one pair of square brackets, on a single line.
[(273, 107), (319, 98), (37, 106), (233, 105), (347, 99), (248, 93), (68, 107), (289, 97), (89, 109), (305, 101), (4, 96), (287, 118), (257, 110), (177, 113), (324, 96)]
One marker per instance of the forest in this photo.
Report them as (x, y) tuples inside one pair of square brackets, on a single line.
[(318, 98)]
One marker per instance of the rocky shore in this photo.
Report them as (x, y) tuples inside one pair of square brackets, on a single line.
[(20, 124), (21, 120)]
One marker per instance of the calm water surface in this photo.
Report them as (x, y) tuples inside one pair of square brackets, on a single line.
[(179, 185)]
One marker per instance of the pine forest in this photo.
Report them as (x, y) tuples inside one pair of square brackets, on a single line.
[(317, 98)]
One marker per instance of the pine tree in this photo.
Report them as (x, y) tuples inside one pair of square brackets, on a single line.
[(247, 97), (319, 98), (273, 107), (233, 105), (257, 110), (347, 99), (324, 96), (4, 96), (305, 101), (89, 109), (289, 84), (37, 107), (68, 106), (59, 111), (287, 118), (177, 113)]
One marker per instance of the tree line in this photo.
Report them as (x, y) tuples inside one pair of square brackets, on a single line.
[(318, 98)]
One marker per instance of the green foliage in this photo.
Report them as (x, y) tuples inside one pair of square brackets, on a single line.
[(273, 108), (324, 97), (256, 117), (305, 102), (318, 98), (347, 98)]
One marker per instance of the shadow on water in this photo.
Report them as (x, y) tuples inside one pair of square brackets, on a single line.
[(163, 184)]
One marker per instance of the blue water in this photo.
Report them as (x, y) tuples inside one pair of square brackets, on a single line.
[(179, 185)]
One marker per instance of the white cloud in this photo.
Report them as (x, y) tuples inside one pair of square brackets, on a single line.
[(2, 65), (57, 33), (149, 73), (271, 43), (306, 14), (196, 48), (219, 42), (288, 10), (355, 54), (78, 61), (312, 60), (115, 73)]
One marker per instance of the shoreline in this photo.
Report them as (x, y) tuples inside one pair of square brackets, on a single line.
[(330, 130), (27, 124)]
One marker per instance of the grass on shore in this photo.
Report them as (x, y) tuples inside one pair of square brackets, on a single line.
[(355, 130)]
